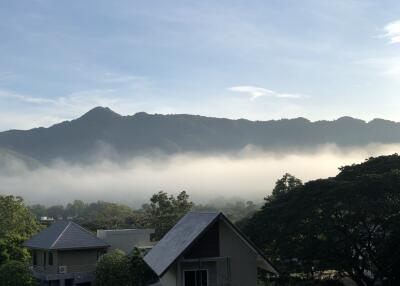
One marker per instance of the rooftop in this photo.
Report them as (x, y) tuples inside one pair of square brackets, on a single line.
[(64, 235)]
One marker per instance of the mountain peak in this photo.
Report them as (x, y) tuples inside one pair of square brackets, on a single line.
[(99, 113)]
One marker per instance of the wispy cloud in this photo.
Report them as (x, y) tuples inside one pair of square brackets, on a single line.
[(256, 92), (25, 98), (388, 67), (392, 32), (6, 76)]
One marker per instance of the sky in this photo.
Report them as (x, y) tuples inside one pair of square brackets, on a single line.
[(237, 59)]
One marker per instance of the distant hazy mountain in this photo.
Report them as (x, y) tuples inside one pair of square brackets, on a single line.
[(103, 131)]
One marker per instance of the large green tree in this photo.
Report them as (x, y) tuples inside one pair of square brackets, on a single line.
[(349, 223), (164, 211), (17, 224)]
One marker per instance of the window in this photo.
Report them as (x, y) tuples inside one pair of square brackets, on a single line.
[(195, 277), (34, 258), (50, 258)]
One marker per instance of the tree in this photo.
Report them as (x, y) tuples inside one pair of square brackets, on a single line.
[(113, 269), (163, 212), (140, 273), (75, 209), (285, 184), (104, 215), (350, 223), (38, 210), (16, 273), (56, 211), (17, 224)]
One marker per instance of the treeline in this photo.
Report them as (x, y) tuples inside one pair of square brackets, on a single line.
[(106, 215)]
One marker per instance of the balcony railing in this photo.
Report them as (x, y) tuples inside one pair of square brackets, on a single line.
[(64, 269)]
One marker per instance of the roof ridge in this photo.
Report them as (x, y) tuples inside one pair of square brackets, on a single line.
[(59, 236), (87, 231), (205, 212)]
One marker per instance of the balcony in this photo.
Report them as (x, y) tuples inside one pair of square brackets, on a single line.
[(37, 269)]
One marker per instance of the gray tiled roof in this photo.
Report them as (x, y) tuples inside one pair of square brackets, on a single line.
[(64, 235), (178, 239)]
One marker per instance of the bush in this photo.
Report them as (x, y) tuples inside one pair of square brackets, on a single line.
[(16, 273), (113, 269)]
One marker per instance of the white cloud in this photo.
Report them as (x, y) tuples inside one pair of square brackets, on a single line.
[(256, 92), (392, 32)]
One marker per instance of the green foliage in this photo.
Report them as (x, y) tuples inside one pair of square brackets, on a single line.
[(284, 185), (38, 210), (75, 209), (16, 273), (104, 215), (140, 272), (163, 212), (113, 269), (349, 223), (56, 211), (16, 225), (236, 211)]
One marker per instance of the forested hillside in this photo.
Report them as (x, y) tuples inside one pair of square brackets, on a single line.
[(102, 132)]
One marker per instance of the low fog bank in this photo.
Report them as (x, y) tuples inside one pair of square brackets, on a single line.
[(248, 175)]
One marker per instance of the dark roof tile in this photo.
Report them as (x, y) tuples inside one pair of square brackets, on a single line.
[(64, 235)]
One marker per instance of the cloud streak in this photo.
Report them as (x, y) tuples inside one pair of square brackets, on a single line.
[(26, 98), (392, 32), (255, 92)]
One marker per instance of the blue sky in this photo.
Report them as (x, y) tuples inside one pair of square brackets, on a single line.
[(236, 59)]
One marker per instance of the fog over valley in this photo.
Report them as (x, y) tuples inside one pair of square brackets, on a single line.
[(248, 174)]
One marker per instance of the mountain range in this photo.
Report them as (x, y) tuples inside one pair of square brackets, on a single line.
[(103, 131)]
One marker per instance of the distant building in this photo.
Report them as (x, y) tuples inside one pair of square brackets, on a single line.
[(127, 239), (206, 249), (46, 220), (65, 254)]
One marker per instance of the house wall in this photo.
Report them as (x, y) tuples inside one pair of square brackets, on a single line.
[(206, 246), (170, 278), (77, 257), (243, 260), (40, 257), (210, 266), (126, 239)]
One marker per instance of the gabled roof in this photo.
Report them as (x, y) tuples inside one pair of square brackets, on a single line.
[(184, 234), (64, 235), (177, 240)]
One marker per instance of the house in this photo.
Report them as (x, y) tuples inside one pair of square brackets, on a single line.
[(65, 254), (127, 239), (206, 249)]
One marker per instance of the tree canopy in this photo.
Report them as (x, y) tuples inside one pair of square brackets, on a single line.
[(16, 225), (349, 223), (113, 269), (16, 273), (164, 211)]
